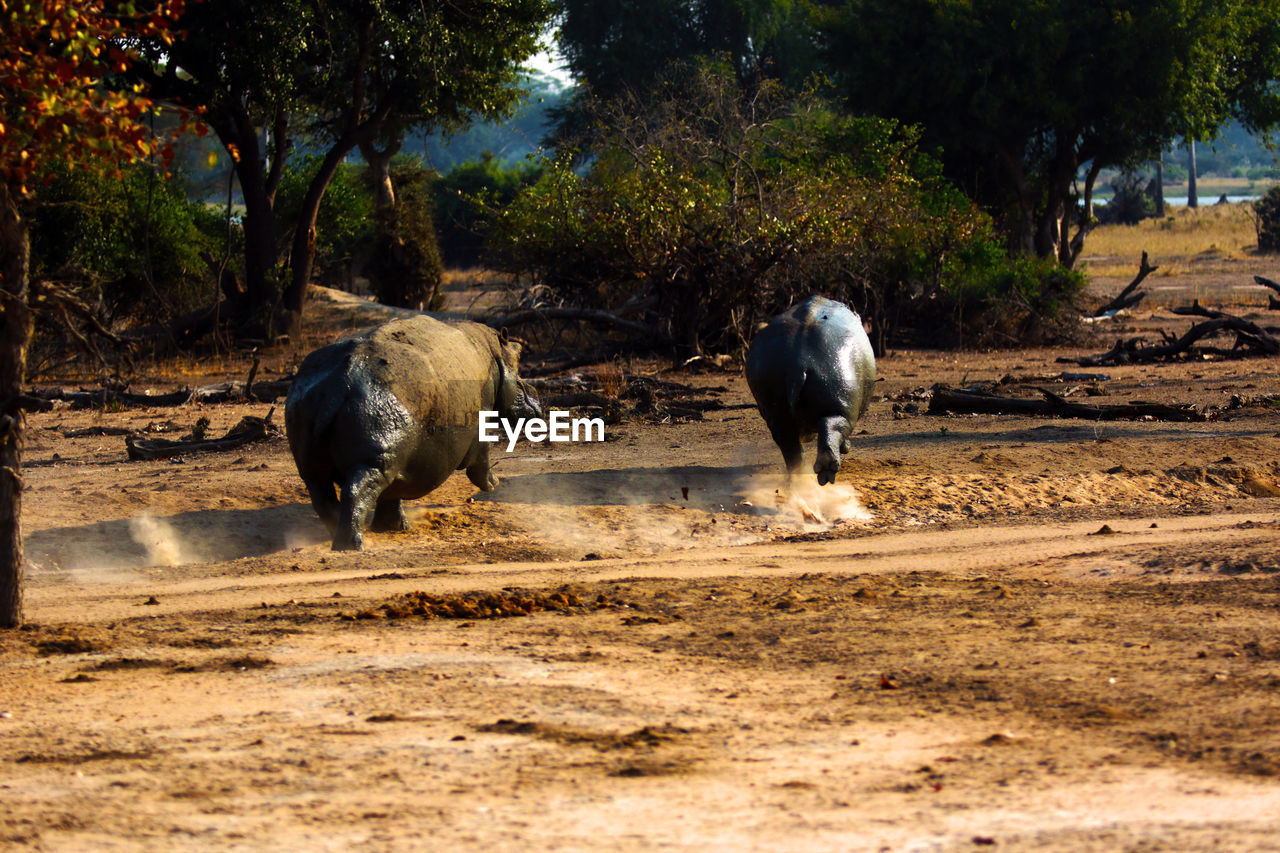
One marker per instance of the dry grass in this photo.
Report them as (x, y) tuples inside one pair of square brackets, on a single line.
[(1186, 237)]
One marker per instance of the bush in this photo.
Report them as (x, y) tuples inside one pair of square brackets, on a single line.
[(465, 199), (132, 245), (1262, 173), (404, 268), (1016, 302), (1266, 219), (344, 224), (705, 210), (1134, 201)]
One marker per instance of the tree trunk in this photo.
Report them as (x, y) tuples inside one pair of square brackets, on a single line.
[(1160, 185), (1192, 199), (380, 172), (1023, 237), (261, 257), (302, 256), (15, 336), (1073, 244)]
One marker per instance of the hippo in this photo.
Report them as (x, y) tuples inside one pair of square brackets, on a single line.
[(389, 414), (811, 370)]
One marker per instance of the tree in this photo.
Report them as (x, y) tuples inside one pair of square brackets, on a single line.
[(1021, 95), (619, 46), (54, 109), (707, 208), (332, 77)]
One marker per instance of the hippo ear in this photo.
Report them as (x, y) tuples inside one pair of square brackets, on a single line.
[(503, 337)]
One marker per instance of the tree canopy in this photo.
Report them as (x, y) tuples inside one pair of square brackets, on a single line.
[(1020, 96), (615, 46), (332, 76), (54, 111)]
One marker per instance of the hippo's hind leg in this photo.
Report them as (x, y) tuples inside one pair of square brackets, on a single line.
[(788, 440), (481, 474), (832, 438), (323, 499), (388, 517), (360, 494)]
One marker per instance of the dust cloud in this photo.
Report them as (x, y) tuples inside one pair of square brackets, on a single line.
[(648, 510), (159, 540)]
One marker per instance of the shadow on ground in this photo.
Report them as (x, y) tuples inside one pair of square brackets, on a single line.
[(699, 486), (191, 537)]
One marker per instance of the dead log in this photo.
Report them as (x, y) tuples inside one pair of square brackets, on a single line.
[(249, 430), (1127, 298), (96, 431), (590, 315), (976, 402), (111, 397), (24, 403), (226, 392), (1251, 340)]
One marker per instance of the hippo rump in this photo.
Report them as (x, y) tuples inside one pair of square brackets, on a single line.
[(812, 371), (389, 414)]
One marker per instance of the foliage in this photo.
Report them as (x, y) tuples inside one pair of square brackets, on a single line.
[(405, 268), (1013, 302), (341, 75), (54, 109), (54, 56), (1018, 95), (466, 197), (1266, 219), (135, 243), (344, 222), (707, 209), (617, 46), (1133, 201)]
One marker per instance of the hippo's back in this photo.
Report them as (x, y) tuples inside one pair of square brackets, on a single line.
[(366, 400), (812, 360)]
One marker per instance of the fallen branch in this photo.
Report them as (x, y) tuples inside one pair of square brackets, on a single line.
[(591, 315), (1273, 304), (110, 397), (225, 392), (1127, 298), (249, 430), (975, 402), (1250, 341), (24, 403)]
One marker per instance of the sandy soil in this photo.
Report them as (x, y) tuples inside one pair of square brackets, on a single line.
[(1029, 633)]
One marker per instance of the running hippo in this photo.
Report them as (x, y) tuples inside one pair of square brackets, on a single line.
[(388, 415), (812, 372)]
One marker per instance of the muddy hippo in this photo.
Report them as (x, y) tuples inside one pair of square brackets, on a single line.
[(388, 415), (812, 371)]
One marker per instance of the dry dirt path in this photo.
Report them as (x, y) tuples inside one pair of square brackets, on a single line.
[(1043, 550), (979, 664)]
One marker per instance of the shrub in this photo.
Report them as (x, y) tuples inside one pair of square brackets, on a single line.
[(1134, 201), (344, 224), (132, 245), (465, 199), (1006, 302), (404, 268), (1266, 219), (705, 209)]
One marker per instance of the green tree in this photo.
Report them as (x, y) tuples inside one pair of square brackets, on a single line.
[(468, 196), (616, 46), (132, 243), (708, 208), (54, 110), (334, 76), (1021, 95)]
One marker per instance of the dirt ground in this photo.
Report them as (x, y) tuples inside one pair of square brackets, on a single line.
[(1032, 634)]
